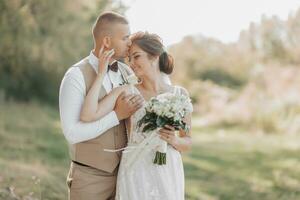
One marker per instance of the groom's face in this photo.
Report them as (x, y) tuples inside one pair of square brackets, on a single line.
[(120, 41)]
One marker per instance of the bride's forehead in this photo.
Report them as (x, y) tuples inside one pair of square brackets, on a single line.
[(134, 48)]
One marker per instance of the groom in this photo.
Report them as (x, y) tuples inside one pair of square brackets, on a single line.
[(93, 171)]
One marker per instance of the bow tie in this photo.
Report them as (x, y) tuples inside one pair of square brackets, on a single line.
[(113, 67)]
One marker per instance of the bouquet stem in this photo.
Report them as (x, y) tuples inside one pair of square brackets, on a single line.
[(161, 154), (160, 158)]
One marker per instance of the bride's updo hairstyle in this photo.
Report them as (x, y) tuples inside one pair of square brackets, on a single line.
[(152, 45)]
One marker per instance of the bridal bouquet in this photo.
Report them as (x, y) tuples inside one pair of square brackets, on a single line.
[(165, 109)]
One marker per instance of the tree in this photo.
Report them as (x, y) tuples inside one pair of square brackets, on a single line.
[(40, 39)]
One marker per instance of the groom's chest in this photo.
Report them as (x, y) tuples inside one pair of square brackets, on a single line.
[(112, 80)]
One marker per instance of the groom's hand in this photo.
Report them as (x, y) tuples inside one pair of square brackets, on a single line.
[(126, 105)]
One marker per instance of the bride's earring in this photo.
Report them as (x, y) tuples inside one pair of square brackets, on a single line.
[(140, 80)]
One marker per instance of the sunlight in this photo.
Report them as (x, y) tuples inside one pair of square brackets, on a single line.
[(173, 19)]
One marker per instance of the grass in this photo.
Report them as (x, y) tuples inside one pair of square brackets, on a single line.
[(33, 157), (226, 165), (225, 162)]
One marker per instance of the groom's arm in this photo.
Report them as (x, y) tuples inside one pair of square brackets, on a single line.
[(71, 97)]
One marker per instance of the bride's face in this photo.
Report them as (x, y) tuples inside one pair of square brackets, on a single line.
[(141, 63)]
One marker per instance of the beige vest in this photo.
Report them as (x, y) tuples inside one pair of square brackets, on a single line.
[(92, 152)]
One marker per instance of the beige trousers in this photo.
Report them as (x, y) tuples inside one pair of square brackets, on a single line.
[(87, 183)]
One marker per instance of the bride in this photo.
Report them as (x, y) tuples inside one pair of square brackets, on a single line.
[(141, 178)]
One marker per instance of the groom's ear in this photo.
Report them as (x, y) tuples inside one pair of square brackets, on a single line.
[(107, 42)]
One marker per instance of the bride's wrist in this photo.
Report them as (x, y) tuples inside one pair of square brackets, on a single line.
[(101, 70), (175, 144), (100, 75)]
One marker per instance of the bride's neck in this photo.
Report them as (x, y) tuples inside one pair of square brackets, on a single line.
[(152, 84)]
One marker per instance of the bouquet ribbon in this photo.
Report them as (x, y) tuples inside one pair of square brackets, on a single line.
[(135, 152)]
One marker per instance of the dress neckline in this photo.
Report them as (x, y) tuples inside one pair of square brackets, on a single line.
[(174, 88)]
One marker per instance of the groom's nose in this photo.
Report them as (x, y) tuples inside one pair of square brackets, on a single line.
[(129, 43), (131, 62)]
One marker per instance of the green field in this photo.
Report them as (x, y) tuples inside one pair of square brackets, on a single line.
[(223, 164)]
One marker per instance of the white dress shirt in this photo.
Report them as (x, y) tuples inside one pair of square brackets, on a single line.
[(71, 97)]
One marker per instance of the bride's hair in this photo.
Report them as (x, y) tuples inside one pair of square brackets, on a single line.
[(152, 44)]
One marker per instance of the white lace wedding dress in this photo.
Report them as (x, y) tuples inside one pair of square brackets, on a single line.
[(139, 178)]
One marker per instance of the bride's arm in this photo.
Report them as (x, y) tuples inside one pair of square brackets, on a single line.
[(90, 105), (93, 109), (184, 141)]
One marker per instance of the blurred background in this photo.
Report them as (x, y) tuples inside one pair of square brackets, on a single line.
[(240, 61)]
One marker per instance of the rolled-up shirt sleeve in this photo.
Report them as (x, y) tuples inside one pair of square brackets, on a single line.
[(71, 97)]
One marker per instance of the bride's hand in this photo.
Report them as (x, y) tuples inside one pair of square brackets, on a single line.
[(168, 134), (104, 59)]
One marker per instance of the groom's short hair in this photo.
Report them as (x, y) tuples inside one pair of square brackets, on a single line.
[(105, 21)]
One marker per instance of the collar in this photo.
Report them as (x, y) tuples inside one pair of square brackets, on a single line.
[(93, 60)]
